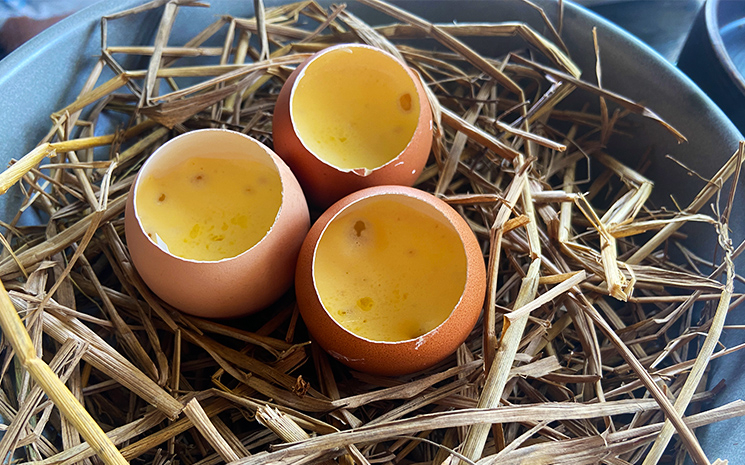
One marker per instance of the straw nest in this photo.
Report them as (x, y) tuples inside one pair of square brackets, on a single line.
[(583, 353)]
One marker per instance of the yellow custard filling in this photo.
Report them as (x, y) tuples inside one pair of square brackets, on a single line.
[(355, 108), (211, 207), (387, 270)]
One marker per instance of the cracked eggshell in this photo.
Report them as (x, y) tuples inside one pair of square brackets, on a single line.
[(406, 356), (325, 183), (234, 286)]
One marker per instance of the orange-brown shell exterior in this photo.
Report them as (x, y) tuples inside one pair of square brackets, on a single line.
[(324, 184), (231, 287), (391, 358)]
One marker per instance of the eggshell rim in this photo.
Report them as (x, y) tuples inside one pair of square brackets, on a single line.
[(266, 149), (377, 195), (304, 66)]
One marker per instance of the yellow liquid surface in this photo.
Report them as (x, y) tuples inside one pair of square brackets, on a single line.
[(389, 271), (208, 209), (355, 108)]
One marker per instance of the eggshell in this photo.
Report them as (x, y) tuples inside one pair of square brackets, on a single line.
[(229, 287), (325, 183), (391, 358)]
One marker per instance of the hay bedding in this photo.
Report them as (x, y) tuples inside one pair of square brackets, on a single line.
[(583, 354)]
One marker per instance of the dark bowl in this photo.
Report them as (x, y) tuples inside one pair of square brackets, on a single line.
[(48, 72), (714, 56)]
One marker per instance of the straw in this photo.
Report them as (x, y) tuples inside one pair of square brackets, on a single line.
[(589, 349)]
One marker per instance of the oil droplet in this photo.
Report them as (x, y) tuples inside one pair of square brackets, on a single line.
[(194, 231), (405, 102), (365, 303), (240, 221)]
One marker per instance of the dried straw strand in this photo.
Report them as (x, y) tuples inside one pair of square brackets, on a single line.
[(497, 376), (19, 339), (498, 158)]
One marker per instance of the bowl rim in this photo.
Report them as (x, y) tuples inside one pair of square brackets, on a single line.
[(69, 25), (713, 29)]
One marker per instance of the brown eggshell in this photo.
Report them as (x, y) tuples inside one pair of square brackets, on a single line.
[(230, 287), (323, 183), (391, 358)]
